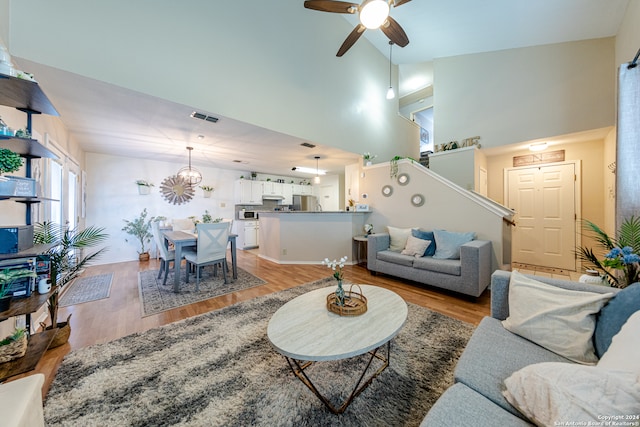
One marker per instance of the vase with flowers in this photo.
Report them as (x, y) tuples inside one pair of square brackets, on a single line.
[(368, 228), (368, 157), (337, 267)]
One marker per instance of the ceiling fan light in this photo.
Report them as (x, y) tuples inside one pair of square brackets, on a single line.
[(374, 13)]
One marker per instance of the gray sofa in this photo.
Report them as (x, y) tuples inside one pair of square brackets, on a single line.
[(470, 275), (491, 356)]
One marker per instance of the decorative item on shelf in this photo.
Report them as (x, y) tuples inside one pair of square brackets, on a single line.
[(23, 133), (593, 277), (621, 265), (368, 157), (7, 278), (9, 161), (65, 265), (4, 129), (176, 191), (14, 346), (207, 190), (144, 187), (368, 228), (189, 174), (140, 228)]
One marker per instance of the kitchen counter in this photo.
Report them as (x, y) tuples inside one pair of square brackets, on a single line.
[(305, 237)]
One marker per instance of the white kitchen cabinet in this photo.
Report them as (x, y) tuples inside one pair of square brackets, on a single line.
[(270, 188), (287, 193), (247, 234), (302, 190), (248, 192)]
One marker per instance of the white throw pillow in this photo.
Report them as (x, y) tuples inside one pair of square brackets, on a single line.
[(398, 238), (415, 247), (557, 393), (557, 319), (624, 352)]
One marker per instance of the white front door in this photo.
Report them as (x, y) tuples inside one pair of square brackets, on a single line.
[(543, 198)]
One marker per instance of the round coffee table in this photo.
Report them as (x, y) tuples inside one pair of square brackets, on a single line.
[(304, 330)]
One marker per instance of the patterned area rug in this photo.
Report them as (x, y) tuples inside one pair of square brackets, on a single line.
[(85, 289), (218, 369), (156, 297)]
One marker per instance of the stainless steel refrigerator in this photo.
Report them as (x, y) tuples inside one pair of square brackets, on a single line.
[(305, 203)]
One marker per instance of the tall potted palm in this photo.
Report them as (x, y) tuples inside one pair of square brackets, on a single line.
[(67, 261)]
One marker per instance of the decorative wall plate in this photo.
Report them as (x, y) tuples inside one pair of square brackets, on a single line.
[(176, 191), (417, 200), (387, 190), (403, 179)]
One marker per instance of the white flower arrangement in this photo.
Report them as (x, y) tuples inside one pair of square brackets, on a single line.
[(336, 266), (368, 156), (368, 228)]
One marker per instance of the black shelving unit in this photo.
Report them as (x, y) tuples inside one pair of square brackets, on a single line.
[(28, 97)]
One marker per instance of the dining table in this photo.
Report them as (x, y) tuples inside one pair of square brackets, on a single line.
[(183, 239)]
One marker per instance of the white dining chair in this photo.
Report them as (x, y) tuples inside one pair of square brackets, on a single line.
[(211, 249), (182, 224), (166, 256)]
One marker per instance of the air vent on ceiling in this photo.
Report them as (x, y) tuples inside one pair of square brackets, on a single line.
[(203, 116), (308, 145)]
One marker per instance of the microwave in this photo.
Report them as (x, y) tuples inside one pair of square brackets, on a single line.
[(247, 215)]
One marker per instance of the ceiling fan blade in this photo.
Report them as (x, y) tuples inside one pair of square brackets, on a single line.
[(397, 3), (394, 32), (351, 39), (331, 6)]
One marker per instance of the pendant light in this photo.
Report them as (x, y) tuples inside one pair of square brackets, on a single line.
[(189, 174), (390, 93), (317, 178)]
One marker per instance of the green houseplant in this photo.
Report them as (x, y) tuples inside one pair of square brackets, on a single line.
[(7, 277), (620, 264), (140, 228), (9, 161), (66, 263)]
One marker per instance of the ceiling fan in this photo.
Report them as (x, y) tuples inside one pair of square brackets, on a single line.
[(373, 14)]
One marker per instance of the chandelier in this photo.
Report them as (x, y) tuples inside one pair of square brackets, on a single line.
[(189, 174)]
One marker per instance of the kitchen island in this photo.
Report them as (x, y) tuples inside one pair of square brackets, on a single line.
[(302, 237)]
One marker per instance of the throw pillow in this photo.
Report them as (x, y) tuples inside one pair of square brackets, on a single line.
[(398, 238), (448, 243), (425, 235), (554, 392), (613, 315), (624, 352), (415, 247), (557, 319)]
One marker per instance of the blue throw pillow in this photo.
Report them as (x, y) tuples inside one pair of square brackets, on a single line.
[(448, 243), (614, 315), (425, 235)]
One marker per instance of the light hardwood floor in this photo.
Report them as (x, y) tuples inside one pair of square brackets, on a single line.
[(120, 314)]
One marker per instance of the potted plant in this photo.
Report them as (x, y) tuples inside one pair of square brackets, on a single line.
[(9, 162), (621, 264), (66, 263), (368, 157), (8, 277), (140, 228), (144, 187), (207, 190)]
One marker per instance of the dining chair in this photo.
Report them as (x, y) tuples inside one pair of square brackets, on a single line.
[(230, 221), (166, 255), (182, 224), (211, 249)]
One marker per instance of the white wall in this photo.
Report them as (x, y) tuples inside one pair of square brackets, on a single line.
[(268, 63), (112, 196), (444, 208), (628, 37), (524, 94)]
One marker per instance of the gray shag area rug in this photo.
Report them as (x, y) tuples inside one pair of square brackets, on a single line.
[(218, 369), (85, 289), (156, 297)]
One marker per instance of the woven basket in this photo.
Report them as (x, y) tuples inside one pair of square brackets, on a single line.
[(355, 303), (14, 350), (62, 336)]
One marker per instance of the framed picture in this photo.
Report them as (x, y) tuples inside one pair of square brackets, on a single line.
[(424, 136)]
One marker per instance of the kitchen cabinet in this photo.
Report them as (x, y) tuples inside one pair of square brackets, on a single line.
[(248, 231), (248, 192), (270, 188), (26, 96), (287, 193), (302, 190)]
